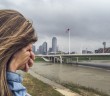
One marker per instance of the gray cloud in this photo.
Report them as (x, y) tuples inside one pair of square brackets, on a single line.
[(88, 20)]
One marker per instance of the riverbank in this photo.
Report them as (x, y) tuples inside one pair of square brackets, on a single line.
[(84, 91), (58, 87), (36, 87)]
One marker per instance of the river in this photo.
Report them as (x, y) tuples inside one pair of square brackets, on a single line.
[(87, 76)]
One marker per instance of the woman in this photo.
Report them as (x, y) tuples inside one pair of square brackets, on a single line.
[(16, 38)]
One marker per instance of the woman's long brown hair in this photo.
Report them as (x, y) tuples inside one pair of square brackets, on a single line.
[(16, 32)]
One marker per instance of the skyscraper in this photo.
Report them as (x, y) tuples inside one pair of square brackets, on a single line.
[(44, 48), (54, 44), (40, 49)]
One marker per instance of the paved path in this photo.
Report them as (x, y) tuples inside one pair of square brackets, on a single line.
[(56, 86)]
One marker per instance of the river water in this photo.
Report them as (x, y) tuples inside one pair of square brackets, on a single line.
[(87, 76)]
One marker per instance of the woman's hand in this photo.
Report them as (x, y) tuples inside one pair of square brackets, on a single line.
[(22, 59), (29, 64)]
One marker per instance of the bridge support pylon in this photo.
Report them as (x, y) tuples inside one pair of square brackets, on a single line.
[(77, 59), (61, 59), (54, 59)]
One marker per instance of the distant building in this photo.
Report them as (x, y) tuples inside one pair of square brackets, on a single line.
[(44, 48), (86, 52), (54, 45), (72, 52), (40, 49), (50, 50), (103, 50), (57, 49), (37, 51)]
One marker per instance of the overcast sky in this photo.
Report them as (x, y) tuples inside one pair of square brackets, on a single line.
[(88, 20)]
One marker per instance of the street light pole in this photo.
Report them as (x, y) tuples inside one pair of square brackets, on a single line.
[(68, 31), (69, 39)]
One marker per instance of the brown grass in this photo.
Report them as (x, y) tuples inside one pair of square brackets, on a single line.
[(36, 87)]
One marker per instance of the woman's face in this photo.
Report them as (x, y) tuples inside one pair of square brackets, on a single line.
[(22, 60)]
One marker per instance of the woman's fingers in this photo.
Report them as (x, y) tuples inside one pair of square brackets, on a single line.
[(26, 67), (30, 62), (32, 55)]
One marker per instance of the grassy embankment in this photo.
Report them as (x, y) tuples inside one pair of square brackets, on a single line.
[(80, 58), (84, 91), (36, 87), (38, 59)]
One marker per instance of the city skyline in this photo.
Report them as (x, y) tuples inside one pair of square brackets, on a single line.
[(53, 49), (88, 20), (45, 49)]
